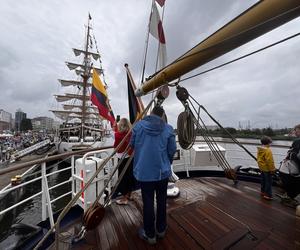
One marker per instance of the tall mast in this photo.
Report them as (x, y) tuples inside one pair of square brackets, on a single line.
[(85, 76)]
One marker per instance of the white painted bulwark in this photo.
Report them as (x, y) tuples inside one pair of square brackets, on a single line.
[(201, 155)]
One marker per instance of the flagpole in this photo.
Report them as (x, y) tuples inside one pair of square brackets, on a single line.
[(147, 43), (139, 100)]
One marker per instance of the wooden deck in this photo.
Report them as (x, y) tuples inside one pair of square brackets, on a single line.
[(210, 213)]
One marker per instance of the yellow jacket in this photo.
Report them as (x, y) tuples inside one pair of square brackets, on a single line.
[(265, 159)]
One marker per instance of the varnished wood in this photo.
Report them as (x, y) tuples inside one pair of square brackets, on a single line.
[(210, 213)]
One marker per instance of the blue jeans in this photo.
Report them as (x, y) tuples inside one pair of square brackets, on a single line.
[(160, 189), (266, 183)]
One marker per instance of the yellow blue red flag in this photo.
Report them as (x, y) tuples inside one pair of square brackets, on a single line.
[(99, 98)]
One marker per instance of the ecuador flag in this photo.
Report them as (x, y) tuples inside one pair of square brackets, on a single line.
[(100, 99)]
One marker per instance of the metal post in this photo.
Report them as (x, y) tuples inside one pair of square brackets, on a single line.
[(73, 172), (44, 209), (46, 194)]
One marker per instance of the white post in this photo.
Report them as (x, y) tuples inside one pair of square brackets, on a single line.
[(47, 195), (44, 209), (73, 172)]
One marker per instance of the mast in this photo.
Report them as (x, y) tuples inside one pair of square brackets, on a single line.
[(254, 22), (85, 77)]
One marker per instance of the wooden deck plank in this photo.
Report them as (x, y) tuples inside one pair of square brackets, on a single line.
[(231, 210), (126, 228)]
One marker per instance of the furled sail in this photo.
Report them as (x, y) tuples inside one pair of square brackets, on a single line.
[(68, 97), (70, 107), (73, 66), (62, 112), (66, 83), (78, 52)]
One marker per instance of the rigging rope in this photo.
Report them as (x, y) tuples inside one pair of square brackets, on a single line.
[(241, 57), (228, 40), (224, 129), (186, 131)]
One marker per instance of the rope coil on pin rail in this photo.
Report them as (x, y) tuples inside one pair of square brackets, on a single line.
[(185, 125), (186, 132)]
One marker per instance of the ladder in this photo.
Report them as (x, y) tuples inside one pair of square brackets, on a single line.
[(26, 151)]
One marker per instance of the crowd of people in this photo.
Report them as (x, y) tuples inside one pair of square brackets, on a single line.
[(9, 143)]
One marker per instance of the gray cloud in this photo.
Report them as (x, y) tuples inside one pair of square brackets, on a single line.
[(37, 37)]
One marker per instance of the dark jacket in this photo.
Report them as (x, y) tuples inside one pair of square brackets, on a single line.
[(294, 152)]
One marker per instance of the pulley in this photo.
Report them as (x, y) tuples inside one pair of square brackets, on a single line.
[(163, 92), (93, 216), (182, 94)]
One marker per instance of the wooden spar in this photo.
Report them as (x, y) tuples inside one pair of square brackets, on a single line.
[(254, 22)]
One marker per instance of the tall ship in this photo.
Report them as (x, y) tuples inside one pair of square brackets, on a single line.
[(82, 125), (217, 202)]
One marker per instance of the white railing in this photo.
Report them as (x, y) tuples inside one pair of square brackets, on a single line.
[(44, 192), (45, 189), (47, 211)]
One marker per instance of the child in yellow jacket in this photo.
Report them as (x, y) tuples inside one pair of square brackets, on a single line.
[(266, 165)]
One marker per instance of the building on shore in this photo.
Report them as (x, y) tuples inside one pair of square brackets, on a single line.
[(5, 120), (19, 116), (42, 123)]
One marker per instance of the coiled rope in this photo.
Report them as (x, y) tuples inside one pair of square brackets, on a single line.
[(186, 130)]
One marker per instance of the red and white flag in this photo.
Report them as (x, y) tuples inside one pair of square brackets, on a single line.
[(156, 30), (161, 2)]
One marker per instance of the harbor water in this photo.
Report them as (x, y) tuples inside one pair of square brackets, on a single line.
[(30, 212)]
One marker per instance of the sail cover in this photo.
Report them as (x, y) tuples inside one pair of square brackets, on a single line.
[(100, 99)]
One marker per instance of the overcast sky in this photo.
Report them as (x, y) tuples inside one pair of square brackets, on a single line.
[(37, 38)]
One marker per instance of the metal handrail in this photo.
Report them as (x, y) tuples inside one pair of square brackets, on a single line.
[(7, 190), (69, 154), (19, 203), (48, 159), (20, 185)]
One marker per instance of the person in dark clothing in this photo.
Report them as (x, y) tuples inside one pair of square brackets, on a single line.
[(153, 141), (127, 183), (291, 181)]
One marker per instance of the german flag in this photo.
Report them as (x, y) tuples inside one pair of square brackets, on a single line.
[(135, 104), (99, 98)]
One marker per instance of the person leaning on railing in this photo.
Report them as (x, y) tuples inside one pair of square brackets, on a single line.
[(127, 183)]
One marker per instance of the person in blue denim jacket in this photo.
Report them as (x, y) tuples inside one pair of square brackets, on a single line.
[(153, 141)]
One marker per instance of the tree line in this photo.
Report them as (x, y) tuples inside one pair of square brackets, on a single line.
[(280, 134)]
